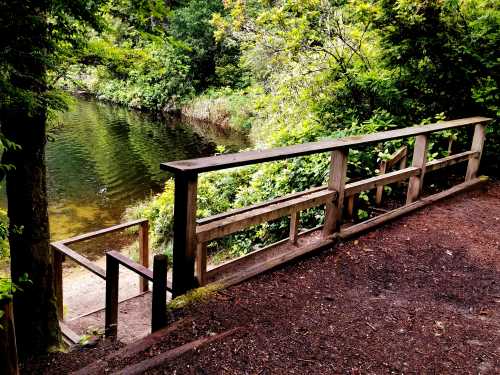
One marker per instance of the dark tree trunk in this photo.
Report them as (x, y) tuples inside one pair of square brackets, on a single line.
[(24, 122), (8, 352), (35, 314)]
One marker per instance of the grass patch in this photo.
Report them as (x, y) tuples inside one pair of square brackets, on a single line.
[(193, 296)]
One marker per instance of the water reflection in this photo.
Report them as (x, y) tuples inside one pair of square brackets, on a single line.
[(103, 158)]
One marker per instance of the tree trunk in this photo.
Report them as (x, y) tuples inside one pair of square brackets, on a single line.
[(8, 352), (24, 122), (35, 314)]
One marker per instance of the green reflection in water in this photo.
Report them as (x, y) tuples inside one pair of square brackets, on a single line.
[(103, 158)]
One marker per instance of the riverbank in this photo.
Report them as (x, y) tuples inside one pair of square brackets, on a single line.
[(223, 109)]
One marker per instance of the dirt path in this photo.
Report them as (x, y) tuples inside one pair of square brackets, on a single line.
[(420, 295)]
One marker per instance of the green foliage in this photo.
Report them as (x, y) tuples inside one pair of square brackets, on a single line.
[(223, 107), (324, 69), (152, 55)]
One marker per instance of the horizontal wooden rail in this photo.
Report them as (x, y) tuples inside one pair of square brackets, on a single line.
[(131, 265), (451, 160), (101, 232), (396, 157), (228, 225), (81, 260), (236, 211), (384, 179), (213, 163), (62, 251)]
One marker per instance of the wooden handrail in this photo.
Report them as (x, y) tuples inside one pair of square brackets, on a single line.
[(159, 278), (101, 232), (62, 251), (213, 163), (80, 259), (131, 265), (191, 235)]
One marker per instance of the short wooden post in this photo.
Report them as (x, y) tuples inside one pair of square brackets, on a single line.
[(380, 189), (201, 263), (144, 253), (336, 182), (58, 282), (294, 226), (159, 299), (450, 144), (419, 160), (184, 241), (350, 207), (8, 349), (111, 308), (477, 146)]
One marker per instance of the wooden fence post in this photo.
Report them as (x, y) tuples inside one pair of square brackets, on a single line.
[(58, 282), (333, 210), (201, 262), (184, 241), (477, 146), (402, 164), (294, 226), (159, 299), (350, 207), (144, 253), (380, 189), (8, 349), (111, 312), (419, 160)]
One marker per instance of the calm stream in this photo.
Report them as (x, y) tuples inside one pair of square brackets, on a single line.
[(103, 158)]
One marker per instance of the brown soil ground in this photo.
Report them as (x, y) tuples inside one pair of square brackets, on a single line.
[(420, 295)]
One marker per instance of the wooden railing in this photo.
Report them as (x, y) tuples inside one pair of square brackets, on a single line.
[(191, 235), (158, 276), (159, 299)]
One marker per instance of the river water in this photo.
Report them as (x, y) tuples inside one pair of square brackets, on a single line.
[(103, 158)]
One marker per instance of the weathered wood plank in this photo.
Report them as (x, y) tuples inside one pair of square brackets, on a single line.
[(68, 333), (396, 157), (144, 253), (294, 226), (336, 182), (98, 367), (81, 260), (213, 163), (477, 146), (159, 359), (419, 161), (350, 207), (184, 241), (201, 263), (380, 188), (97, 233), (252, 207), (237, 222), (450, 160), (131, 265), (246, 273), (258, 256), (399, 156), (380, 180)]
